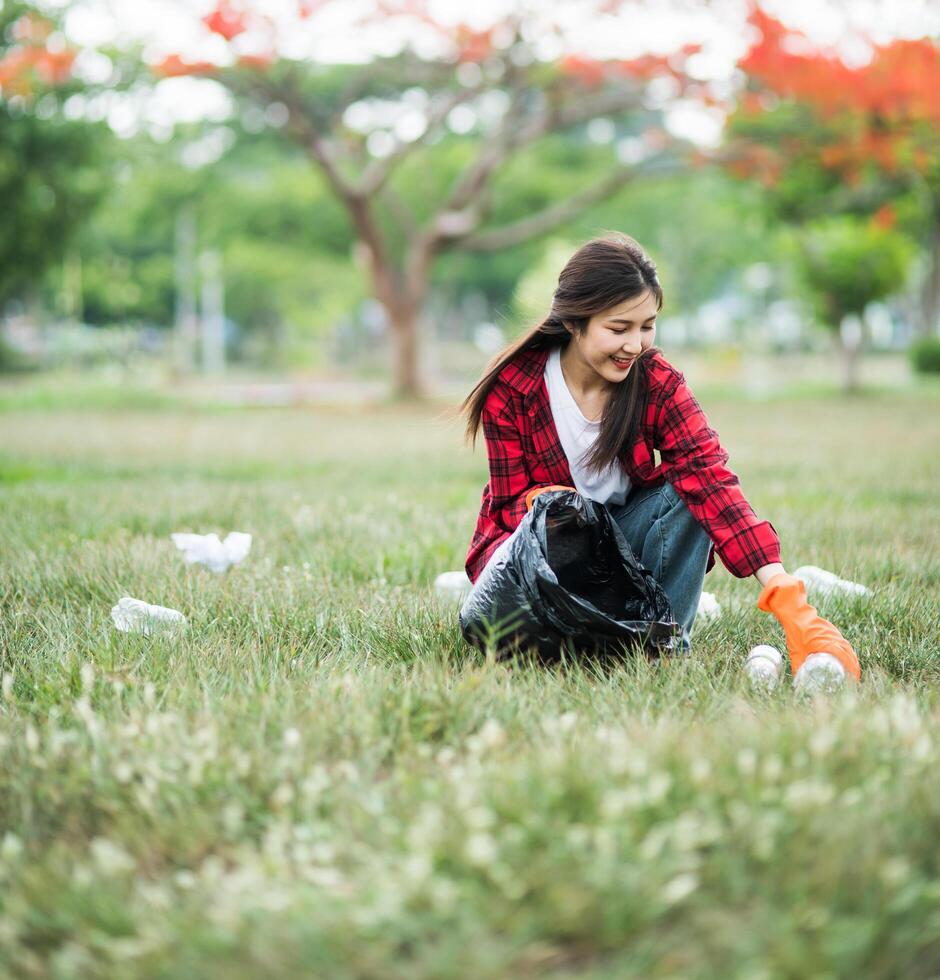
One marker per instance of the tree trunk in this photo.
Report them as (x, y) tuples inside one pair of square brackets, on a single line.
[(403, 325), (850, 340), (930, 289), (401, 293)]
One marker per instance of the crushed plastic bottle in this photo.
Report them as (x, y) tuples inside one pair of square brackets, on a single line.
[(823, 583), (136, 616), (764, 665), (820, 673)]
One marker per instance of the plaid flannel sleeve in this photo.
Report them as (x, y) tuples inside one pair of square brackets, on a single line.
[(509, 477), (695, 463)]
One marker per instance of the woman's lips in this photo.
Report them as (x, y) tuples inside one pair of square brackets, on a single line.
[(623, 364)]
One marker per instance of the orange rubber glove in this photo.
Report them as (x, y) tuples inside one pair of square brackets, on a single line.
[(535, 491), (806, 631)]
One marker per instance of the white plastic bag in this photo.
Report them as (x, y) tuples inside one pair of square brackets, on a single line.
[(208, 550), (136, 616)]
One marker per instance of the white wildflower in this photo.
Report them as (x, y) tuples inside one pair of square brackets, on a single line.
[(747, 762), (291, 738), (480, 849), (11, 847), (679, 888), (416, 867), (184, 879), (479, 817), (659, 785), (443, 893), (894, 870), (282, 796), (653, 844), (7, 686), (110, 858), (805, 794), (700, 770), (31, 736), (123, 772), (822, 740), (492, 734)]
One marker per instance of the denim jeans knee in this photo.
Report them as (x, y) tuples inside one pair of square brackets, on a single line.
[(667, 539)]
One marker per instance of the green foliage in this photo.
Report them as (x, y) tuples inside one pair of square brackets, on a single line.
[(533, 297), (846, 263), (285, 243), (53, 171), (925, 355)]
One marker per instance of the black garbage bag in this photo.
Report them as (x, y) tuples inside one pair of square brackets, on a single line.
[(568, 580)]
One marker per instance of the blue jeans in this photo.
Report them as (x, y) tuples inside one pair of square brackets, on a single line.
[(670, 543)]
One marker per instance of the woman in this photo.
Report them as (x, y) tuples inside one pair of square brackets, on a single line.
[(582, 401)]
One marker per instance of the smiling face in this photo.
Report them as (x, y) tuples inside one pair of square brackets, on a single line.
[(611, 341)]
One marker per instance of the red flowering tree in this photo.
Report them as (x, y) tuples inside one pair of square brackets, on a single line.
[(473, 74), (824, 137)]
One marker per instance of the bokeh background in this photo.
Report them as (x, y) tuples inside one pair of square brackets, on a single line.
[(320, 201)]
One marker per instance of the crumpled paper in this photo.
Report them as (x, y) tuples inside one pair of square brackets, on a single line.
[(825, 583), (136, 616), (208, 550)]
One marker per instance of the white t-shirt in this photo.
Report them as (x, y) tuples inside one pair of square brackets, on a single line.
[(577, 435)]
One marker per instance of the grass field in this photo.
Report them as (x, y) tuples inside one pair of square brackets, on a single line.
[(319, 778)]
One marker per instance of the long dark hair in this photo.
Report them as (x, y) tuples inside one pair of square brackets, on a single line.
[(602, 273)]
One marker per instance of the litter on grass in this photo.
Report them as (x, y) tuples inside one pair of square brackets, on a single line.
[(136, 616), (453, 585), (708, 607), (821, 582), (208, 550)]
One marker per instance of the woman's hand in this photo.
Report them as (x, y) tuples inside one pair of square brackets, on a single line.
[(806, 631), (535, 491)]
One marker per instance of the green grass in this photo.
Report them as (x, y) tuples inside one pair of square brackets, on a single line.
[(319, 777)]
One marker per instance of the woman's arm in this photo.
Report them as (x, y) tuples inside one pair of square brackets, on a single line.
[(767, 572), (696, 464)]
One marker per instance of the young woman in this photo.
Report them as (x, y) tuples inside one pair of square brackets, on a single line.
[(581, 402)]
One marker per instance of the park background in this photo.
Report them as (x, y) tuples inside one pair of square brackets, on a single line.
[(251, 259)]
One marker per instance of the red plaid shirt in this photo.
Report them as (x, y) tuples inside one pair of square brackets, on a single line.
[(524, 451)]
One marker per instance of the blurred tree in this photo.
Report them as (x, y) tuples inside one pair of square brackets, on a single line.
[(846, 263), (283, 240), (51, 172), (823, 137), (484, 97)]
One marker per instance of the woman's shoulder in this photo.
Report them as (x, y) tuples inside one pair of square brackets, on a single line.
[(662, 375), (524, 370), (517, 378)]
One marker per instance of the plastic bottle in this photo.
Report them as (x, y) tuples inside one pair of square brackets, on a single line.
[(820, 672), (764, 665)]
